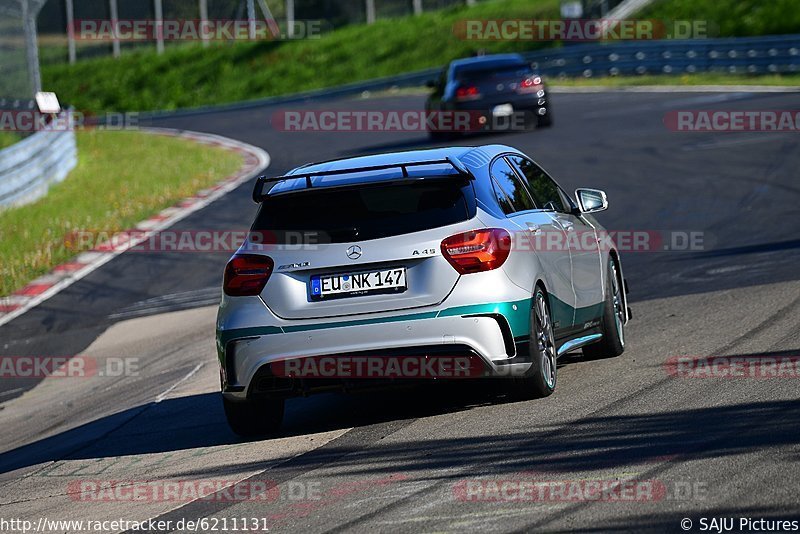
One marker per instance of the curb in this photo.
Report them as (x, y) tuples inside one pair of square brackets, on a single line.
[(64, 275)]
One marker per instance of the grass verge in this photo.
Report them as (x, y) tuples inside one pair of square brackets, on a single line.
[(732, 18), (8, 138), (121, 178), (190, 75)]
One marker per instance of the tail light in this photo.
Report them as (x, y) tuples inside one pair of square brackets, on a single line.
[(469, 92), (477, 250), (530, 85), (247, 274)]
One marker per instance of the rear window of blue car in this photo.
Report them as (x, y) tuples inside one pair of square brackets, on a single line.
[(492, 72), (365, 211)]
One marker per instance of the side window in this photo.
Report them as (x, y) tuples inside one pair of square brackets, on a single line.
[(544, 190), (510, 192)]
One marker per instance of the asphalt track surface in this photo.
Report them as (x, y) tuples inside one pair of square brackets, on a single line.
[(395, 461)]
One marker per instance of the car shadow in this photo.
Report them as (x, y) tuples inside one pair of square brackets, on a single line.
[(592, 445), (198, 421)]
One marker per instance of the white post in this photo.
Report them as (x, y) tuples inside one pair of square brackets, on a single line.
[(112, 4), (417, 7), (251, 20), (31, 47), (159, 12), (73, 56), (290, 18), (204, 19), (471, 3), (370, 11)]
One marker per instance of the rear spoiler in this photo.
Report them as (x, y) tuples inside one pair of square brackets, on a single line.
[(259, 195)]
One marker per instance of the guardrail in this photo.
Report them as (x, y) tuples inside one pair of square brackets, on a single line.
[(739, 55), (773, 54), (28, 167)]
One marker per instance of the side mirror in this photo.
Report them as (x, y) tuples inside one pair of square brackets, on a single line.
[(591, 200), (430, 84)]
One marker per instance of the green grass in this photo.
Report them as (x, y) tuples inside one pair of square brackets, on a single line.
[(8, 138), (121, 178), (684, 79), (188, 76), (732, 18)]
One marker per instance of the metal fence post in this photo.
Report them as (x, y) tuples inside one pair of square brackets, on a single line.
[(290, 18), (417, 7), (159, 12), (203, 7), (370, 11), (251, 20), (31, 46), (112, 5), (71, 32)]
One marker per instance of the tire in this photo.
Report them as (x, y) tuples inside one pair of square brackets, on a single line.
[(545, 121), (254, 418), (540, 380), (612, 323)]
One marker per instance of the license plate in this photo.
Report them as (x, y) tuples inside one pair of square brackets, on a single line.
[(355, 284), (503, 110)]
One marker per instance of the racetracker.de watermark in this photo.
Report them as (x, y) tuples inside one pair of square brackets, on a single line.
[(580, 30), (461, 121), (745, 366), (216, 490), (553, 239), (754, 120), (556, 239), (29, 121), (544, 491), (379, 367), (178, 240), (44, 366), (137, 30), (609, 490)]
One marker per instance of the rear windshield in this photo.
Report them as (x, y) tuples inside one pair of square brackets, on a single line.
[(493, 72), (365, 211)]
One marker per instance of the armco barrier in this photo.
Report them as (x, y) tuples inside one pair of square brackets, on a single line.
[(756, 55), (28, 167), (741, 55)]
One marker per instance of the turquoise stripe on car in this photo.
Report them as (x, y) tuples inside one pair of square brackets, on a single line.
[(519, 320), (517, 313)]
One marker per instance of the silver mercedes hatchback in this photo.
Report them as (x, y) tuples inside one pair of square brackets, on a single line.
[(427, 264)]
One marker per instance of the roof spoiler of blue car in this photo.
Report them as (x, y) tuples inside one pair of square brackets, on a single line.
[(259, 195)]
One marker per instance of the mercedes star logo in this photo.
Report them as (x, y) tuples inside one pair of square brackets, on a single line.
[(354, 252)]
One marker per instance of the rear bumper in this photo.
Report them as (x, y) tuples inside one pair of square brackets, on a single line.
[(520, 102), (487, 333), (527, 110)]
